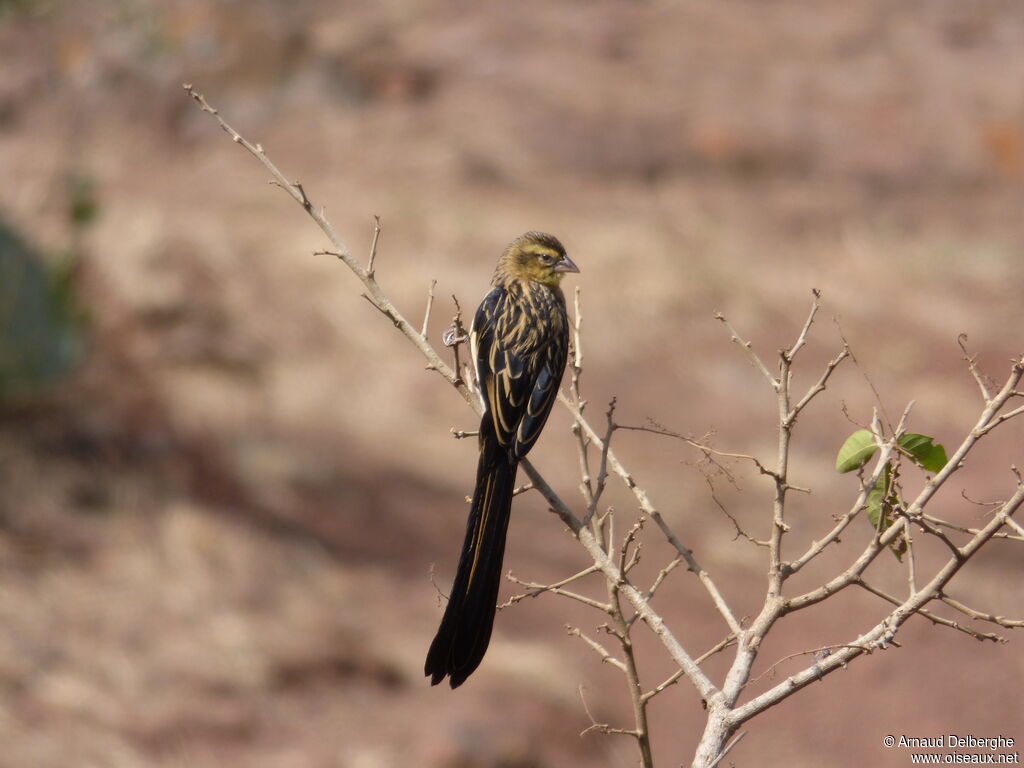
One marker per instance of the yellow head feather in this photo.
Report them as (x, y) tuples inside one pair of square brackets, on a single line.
[(535, 256)]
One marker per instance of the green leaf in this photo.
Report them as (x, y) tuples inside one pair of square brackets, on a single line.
[(881, 502), (858, 448), (929, 455), (877, 502)]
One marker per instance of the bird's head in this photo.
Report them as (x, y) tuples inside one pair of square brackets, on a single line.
[(534, 256)]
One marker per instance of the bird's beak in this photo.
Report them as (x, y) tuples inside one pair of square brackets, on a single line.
[(565, 264)]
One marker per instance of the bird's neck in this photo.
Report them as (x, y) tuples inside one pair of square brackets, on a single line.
[(518, 286)]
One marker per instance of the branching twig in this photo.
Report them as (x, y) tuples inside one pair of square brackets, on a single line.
[(981, 615), (972, 365), (602, 470), (556, 589), (703, 447), (747, 347), (599, 649), (932, 617), (882, 633), (652, 512)]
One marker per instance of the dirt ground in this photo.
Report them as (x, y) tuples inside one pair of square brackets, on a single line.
[(217, 538)]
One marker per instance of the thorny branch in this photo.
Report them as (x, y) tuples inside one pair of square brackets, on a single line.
[(626, 603)]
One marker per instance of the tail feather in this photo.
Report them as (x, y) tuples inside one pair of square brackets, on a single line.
[(465, 630)]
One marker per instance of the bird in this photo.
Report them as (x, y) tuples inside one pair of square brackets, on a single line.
[(519, 341)]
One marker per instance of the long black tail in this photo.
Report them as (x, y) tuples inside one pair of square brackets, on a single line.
[(465, 630)]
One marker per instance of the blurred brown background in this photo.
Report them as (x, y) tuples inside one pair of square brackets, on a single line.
[(221, 495)]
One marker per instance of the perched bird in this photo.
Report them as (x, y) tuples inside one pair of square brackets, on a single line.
[(519, 341)]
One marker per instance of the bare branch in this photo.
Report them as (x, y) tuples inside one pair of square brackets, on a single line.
[(524, 488), (621, 630), (938, 533), (373, 250), (820, 385), (556, 589), (972, 364), (981, 615), (708, 451), (602, 470), (662, 575), (790, 354), (721, 507), (627, 540), (1011, 523), (749, 349), (728, 747), (1000, 419), (819, 653), (965, 529), (932, 617), (720, 646), (911, 563), (651, 512), (430, 303), (375, 295), (672, 680), (601, 558), (599, 649), (600, 727)]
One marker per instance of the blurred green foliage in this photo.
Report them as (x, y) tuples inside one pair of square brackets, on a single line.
[(41, 325), (23, 6)]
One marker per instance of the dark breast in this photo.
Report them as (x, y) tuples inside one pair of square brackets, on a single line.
[(523, 342), (530, 318)]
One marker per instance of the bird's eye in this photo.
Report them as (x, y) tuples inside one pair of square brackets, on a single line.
[(546, 259)]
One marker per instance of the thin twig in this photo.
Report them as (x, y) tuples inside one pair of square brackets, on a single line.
[(538, 589), (596, 726), (911, 564), (749, 349), (656, 429), (972, 365), (736, 524), (790, 354), (621, 630), (728, 747), (662, 575), (373, 248), (1001, 621), (430, 304), (820, 385), (374, 293), (599, 649), (932, 617), (819, 653), (602, 471)]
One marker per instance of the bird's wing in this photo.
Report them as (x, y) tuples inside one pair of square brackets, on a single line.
[(520, 348)]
